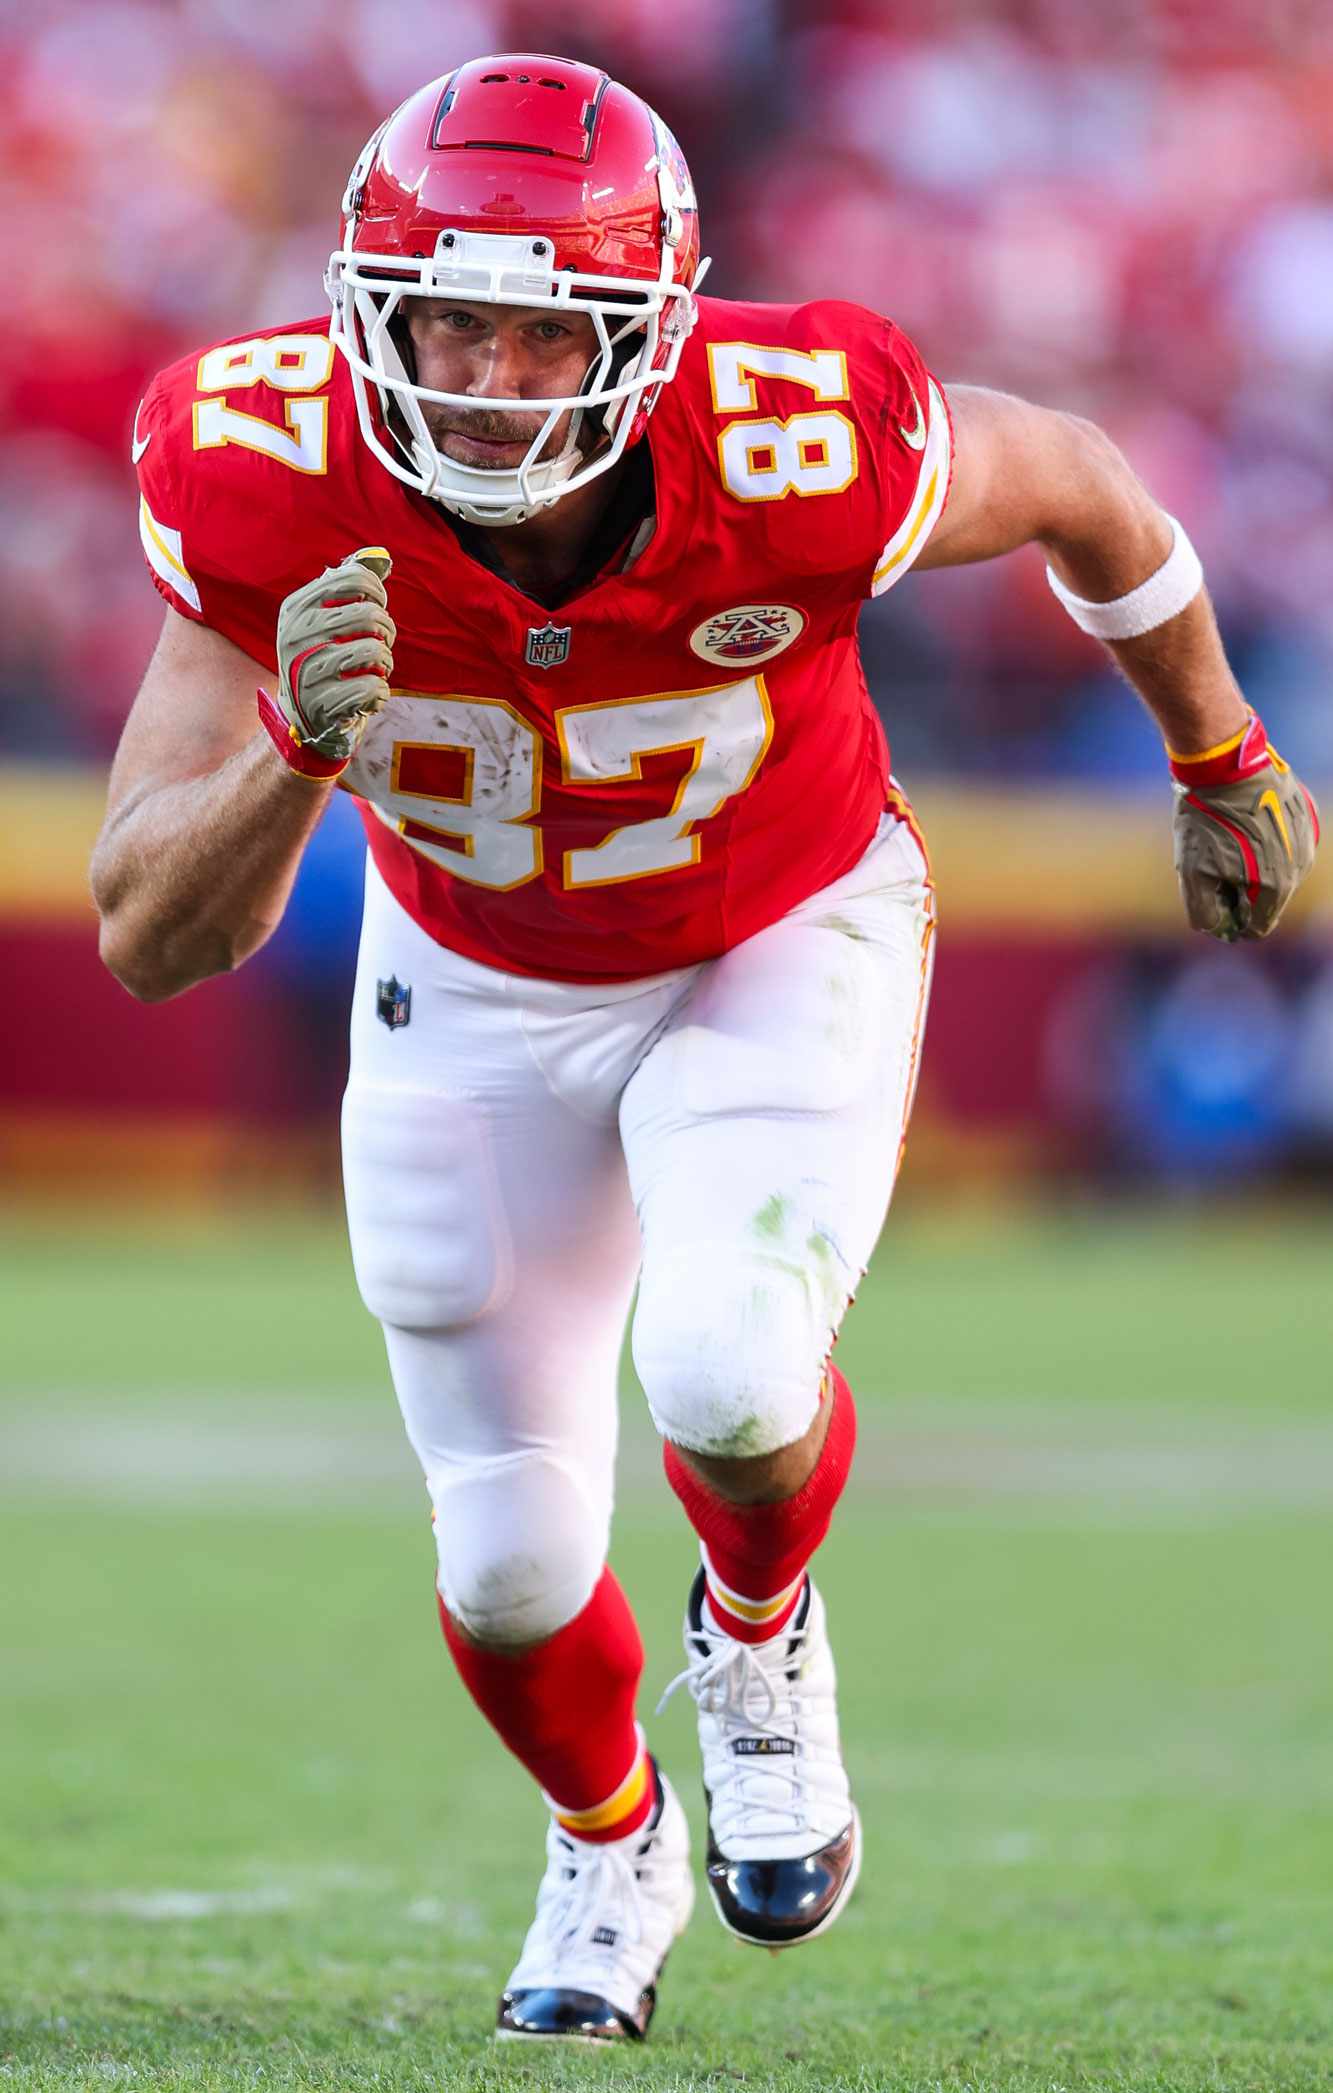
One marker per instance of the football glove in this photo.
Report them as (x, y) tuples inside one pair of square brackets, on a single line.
[(1245, 835), (335, 658)]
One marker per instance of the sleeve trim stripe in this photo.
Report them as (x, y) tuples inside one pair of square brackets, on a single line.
[(910, 540), (162, 550), (932, 485)]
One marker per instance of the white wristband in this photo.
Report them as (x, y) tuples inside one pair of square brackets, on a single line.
[(1163, 595)]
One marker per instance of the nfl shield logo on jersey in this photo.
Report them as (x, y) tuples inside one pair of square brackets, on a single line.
[(393, 1002), (751, 632), (548, 646)]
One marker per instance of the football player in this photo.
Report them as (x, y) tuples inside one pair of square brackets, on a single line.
[(556, 565)]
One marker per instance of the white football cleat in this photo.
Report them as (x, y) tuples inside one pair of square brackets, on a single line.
[(784, 1839), (606, 1918)]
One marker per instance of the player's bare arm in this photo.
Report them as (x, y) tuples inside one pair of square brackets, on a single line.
[(1025, 474), (207, 813), (204, 826), (1246, 828)]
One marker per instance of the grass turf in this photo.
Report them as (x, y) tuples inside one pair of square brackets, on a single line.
[(251, 1833), (1085, 1305)]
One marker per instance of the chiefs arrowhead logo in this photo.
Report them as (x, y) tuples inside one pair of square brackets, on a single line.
[(749, 633)]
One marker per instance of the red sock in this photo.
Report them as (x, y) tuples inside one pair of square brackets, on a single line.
[(755, 1554), (565, 1708)]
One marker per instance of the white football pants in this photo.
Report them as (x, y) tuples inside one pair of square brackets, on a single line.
[(520, 1151)]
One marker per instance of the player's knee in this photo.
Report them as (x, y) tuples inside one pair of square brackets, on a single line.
[(427, 1245), (731, 1348), (521, 1543)]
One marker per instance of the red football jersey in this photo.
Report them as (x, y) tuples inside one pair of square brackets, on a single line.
[(679, 753)]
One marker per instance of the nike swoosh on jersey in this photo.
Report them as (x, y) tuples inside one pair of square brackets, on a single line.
[(917, 436), (138, 444)]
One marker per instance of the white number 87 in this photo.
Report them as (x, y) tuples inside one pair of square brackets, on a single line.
[(767, 458), (287, 363), (460, 779)]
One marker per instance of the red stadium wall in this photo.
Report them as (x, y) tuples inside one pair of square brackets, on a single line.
[(236, 1085)]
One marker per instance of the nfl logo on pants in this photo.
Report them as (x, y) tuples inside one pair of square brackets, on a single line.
[(393, 1002), (548, 646)]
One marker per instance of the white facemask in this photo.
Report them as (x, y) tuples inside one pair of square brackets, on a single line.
[(369, 291)]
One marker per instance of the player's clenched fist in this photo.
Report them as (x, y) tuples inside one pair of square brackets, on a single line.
[(1245, 835), (335, 657)]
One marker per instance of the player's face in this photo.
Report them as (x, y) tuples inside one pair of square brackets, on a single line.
[(497, 352)]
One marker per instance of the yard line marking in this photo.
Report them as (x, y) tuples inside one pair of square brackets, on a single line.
[(255, 1453), (462, 1919)]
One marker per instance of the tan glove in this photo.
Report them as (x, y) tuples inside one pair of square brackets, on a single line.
[(335, 654), (1245, 835)]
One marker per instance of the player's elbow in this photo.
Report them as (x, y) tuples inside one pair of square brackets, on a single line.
[(150, 990), (1094, 495), (153, 967), (1087, 436), (135, 965), (1101, 464), (130, 955)]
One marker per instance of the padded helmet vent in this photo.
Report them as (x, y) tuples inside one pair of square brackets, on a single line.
[(533, 127)]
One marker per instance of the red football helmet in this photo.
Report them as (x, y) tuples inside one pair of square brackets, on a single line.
[(517, 181)]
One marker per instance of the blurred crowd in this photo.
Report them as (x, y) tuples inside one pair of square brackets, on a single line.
[(1125, 211)]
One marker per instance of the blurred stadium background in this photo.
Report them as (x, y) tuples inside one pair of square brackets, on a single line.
[(1125, 211)]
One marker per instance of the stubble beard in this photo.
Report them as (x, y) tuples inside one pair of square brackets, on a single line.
[(484, 423)]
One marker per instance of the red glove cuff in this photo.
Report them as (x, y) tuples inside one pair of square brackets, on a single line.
[(297, 755), (1231, 762)]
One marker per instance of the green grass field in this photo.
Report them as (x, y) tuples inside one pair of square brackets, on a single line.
[(253, 1834)]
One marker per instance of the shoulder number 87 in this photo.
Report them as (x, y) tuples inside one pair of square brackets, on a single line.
[(765, 458), (291, 364)]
